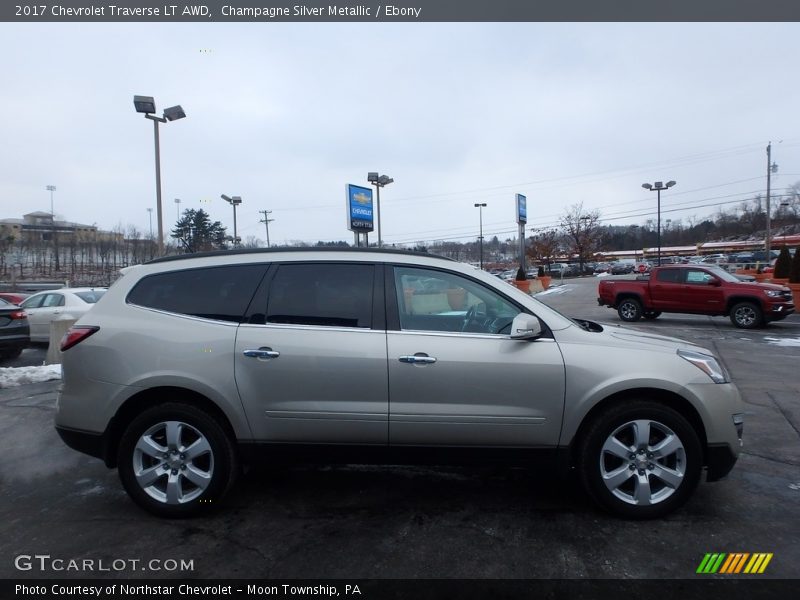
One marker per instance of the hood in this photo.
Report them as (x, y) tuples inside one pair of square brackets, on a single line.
[(755, 286), (617, 335)]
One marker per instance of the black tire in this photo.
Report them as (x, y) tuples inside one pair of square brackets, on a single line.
[(215, 467), (651, 314), (630, 310), (621, 495), (747, 315)]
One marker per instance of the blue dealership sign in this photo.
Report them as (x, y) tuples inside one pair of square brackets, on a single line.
[(522, 209), (360, 216)]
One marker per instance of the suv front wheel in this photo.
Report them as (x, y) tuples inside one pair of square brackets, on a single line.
[(640, 460), (175, 460)]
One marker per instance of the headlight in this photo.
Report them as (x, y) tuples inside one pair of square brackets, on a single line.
[(708, 364), (773, 293)]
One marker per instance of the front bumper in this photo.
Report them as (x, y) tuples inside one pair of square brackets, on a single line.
[(779, 310), (719, 461)]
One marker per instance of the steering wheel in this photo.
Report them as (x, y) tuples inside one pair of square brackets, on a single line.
[(473, 316), (469, 317)]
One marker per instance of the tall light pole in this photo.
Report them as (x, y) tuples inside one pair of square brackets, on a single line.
[(150, 214), (234, 202), (771, 168), (581, 245), (378, 181), (480, 206), (657, 187), (266, 221), (146, 105), (51, 189), (178, 208)]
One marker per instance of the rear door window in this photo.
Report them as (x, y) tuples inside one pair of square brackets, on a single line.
[(670, 276), (219, 293), (327, 295)]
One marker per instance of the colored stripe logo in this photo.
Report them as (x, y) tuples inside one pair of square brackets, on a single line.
[(734, 563)]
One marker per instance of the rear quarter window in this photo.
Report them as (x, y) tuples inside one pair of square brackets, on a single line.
[(219, 293)]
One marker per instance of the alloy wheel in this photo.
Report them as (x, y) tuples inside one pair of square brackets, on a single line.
[(173, 462), (643, 462)]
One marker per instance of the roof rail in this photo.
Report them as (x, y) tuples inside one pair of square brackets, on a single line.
[(297, 249)]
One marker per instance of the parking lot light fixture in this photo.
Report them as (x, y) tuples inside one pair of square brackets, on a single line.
[(234, 202), (378, 181), (657, 187), (480, 206), (147, 106)]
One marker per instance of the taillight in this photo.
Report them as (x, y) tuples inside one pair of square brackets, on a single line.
[(18, 314), (76, 335)]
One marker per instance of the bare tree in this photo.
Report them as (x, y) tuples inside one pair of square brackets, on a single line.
[(581, 230), (544, 246)]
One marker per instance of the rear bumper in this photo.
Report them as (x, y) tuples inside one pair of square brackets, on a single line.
[(88, 442), (15, 342)]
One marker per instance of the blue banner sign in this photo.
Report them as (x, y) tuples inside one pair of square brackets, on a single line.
[(360, 216), (522, 209)]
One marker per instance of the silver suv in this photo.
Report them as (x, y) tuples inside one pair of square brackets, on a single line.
[(191, 366)]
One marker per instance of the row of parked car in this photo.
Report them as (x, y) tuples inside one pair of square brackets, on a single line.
[(26, 319)]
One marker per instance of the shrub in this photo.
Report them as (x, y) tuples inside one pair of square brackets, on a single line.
[(794, 275), (783, 266), (540, 272), (521, 275)]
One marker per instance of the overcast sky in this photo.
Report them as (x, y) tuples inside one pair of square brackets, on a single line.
[(284, 115)]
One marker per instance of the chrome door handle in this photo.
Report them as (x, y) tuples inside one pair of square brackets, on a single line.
[(262, 353), (418, 360)]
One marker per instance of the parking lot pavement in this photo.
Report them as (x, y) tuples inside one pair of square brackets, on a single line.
[(415, 522)]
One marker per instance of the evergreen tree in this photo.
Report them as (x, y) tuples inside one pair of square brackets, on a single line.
[(783, 265), (196, 233)]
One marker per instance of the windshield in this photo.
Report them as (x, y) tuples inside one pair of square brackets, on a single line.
[(723, 274)]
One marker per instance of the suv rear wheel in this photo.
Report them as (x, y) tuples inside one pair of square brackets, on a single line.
[(640, 460), (630, 309), (175, 460)]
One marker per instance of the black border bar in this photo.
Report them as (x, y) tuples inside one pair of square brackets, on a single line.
[(392, 11), (700, 588)]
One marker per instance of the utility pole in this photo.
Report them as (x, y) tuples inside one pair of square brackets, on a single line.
[(771, 168), (266, 221)]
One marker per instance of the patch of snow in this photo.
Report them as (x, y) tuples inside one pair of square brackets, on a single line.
[(13, 376), (558, 289), (786, 342), (603, 274)]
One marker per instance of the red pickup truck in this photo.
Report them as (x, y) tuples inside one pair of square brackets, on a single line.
[(699, 290)]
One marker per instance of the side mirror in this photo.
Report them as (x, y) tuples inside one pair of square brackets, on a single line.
[(525, 327), (715, 283)]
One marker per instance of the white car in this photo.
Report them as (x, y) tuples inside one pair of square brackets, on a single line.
[(55, 305)]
